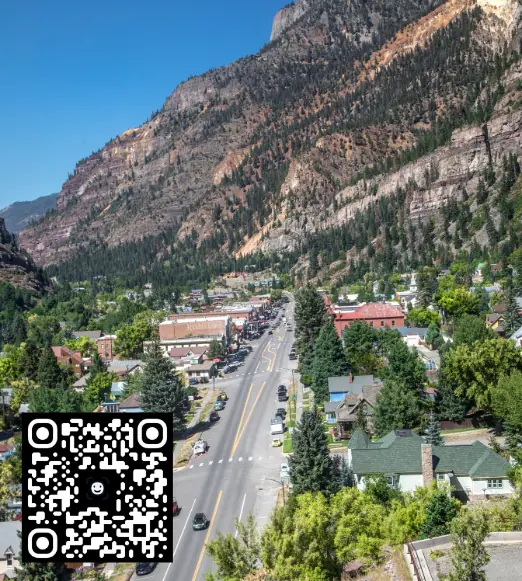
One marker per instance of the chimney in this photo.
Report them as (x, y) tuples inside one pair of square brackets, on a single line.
[(427, 463)]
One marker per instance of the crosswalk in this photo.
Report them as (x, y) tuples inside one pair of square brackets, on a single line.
[(198, 464)]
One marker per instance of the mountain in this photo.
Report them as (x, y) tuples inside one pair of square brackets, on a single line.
[(16, 266), (356, 127), (20, 214)]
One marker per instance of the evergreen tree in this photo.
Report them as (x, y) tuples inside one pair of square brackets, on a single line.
[(310, 316), (28, 360), (440, 512), (482, 192), (426, 285), (512, 318), (433, 436), (49, 375), (40, 571), (405, 366), (397, 407), (329, 361), (311, 466), (434, 337), (448, 405), (161, 388), (97, 365), (361, 418), (57, 399)]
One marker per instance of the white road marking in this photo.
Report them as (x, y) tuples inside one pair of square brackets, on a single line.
[(257, 367), (250, 459), (240, 460), (191, 466), (241, 513), (179, 540), (230, 459), (221, 461), (211, 462), (201, 464), (260, 458)]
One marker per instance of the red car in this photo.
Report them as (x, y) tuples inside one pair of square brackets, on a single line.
[(175, 508)]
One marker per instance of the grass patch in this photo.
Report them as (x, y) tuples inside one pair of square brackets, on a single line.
[(288, 447), (186, 450), (457, 430)]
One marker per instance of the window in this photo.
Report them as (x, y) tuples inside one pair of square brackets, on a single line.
[(9, 559), (382, 323), (371, 323), (495, 483), (393, 323), (392, 480), (441, 477)]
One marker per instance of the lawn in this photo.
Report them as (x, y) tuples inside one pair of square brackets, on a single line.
[(287, 446)]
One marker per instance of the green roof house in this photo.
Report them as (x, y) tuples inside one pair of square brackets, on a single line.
[(474, 470)]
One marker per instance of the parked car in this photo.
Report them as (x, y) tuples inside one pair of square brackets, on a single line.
[(279, 415), (222, 396), (281, 411), (285, 471), (204, 380), (292, 357), (219, 405), (200, 522), (175, 507), (144, 568), (200, 447), (277, 442), (214, 416), (270, 332), (281, 388), (193, 381)]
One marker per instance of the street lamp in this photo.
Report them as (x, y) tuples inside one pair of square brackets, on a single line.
[(282, 484)]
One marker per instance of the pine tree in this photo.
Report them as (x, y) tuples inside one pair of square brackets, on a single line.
[(512, 318), (311, 466), (28, 360), (433, 436), (329, 361), (434, 337), (49, 374), (310, 316), (161, 389), (482, 192), (440, 512), (361, 418), (397, 407), (97, 365)]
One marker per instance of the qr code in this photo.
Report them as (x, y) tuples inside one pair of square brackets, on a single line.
[(97, 487)]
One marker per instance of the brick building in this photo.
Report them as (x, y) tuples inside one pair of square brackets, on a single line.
[(106, 347), (377, 315)]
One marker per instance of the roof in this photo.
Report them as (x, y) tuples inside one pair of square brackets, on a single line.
[(359, 440), (343, 385), (397, 453), (372, 311), (500, 308), (89, 334), (82, 382), (123, 364), (133, 401), (475, 460), (181, 352), (9, 537), (492, 318), (410, 331), (205, 366), (331, 406), (64, 352)]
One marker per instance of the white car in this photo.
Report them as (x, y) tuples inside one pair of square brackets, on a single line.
[(284, 472), (200, 447)]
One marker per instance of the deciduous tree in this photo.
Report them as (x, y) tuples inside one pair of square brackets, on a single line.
[(471, 328)]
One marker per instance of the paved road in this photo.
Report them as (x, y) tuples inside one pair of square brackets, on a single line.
[(232, 479)]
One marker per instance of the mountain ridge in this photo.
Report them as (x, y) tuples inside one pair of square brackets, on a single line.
[(19, 215)]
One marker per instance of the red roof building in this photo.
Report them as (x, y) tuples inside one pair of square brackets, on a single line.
[(72, 359), (378, 315)]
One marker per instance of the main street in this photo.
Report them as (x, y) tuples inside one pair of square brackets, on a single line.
[(232, 479)]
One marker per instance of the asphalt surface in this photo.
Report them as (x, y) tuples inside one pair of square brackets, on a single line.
[(233, 478)]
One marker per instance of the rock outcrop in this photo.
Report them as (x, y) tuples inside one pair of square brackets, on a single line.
[(287, 16)]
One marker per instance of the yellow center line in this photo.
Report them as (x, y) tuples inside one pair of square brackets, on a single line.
[(202, 554), (236, 443), (243, 414)]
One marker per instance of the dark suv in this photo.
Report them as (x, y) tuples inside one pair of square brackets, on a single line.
[(200, 522), (144, 568)]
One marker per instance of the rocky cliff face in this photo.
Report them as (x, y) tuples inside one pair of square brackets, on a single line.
[(16, 266), (287, 16), (257, 154)]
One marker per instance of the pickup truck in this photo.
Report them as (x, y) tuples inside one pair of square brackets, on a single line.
[(277, 426)]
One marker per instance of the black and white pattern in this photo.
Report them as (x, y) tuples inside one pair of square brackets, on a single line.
[(97, 487)]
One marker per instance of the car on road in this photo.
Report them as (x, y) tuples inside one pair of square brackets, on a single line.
[(281, 388), (144, 568), (175, 507), (284, 471), (277, 442), (193, 381), (219, 405), (292, 357), (281, 411), (222, 396), (280, 416), (270, 332), (230, 368), (200, 522), (200, 447), (214, 416), (282, 396)]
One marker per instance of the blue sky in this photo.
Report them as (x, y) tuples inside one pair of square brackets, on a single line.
[(74, 74)]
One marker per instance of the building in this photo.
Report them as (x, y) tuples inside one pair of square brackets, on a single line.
[(105, 347), (495, 322), (201, 370), (377, 315), (125, 367), (195, 330), (92, 335), (71, 359), (402, 456), (130, 405), (9, 548)]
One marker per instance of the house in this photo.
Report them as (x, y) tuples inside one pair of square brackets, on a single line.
[(378, 315), (413, 336), (344, 413), (194, 330), (131, 404), (71, 359), (81, 384), (495, 321), (204, 369), (125, 367), (9, 548), (188, 354), (92, 335), (105, 346), (338, 387), (402, 456)]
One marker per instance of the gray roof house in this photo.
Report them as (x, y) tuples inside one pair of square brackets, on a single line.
[(338, 387), (402, 456), (9, 548), (89, 334)]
